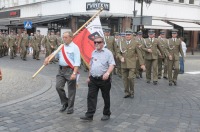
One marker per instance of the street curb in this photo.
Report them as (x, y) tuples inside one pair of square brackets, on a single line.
[(47, 86)]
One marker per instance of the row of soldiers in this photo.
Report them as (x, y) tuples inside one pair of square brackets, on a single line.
[(132, 52), (23, 42)]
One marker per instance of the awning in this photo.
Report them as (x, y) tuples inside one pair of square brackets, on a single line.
[(188, 26), (158, 24), (37, 20), (3, 28)]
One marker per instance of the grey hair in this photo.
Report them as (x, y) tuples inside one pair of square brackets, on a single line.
[(69, 32)]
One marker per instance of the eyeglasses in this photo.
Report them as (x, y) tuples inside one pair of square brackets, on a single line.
[(97, 42)]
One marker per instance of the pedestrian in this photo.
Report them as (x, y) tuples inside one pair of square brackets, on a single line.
[(173, 49), (128, 51), (101, 66), (184, 48), (69, 62)]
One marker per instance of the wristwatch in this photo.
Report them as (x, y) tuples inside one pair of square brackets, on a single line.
[(74, 73)]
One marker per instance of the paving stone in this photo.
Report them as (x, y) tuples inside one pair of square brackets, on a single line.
[(35, 108)]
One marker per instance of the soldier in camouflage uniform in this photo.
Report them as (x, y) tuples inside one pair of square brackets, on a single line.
[(24, 43), (37, 44), (11, 41), (46, 44), (2, 40)]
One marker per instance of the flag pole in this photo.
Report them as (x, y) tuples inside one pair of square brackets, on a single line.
[(60, 47)]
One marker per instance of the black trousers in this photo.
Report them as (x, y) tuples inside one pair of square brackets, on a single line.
[(94, 85)]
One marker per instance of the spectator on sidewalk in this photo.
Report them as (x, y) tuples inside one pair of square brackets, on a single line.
[(184, 48)]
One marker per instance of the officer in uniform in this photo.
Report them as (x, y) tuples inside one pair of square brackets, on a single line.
[(162, 60), (11, 41), (173, 49), (2, 39), (128, 49), (151, 47), (24, 43), (110, 40), (140, 40), (116, 46), (122, 35)]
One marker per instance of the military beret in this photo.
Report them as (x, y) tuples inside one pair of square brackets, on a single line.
[(151, 31), (139, 32), (38, 30), (128, 31), (174, 31), (162, 32)]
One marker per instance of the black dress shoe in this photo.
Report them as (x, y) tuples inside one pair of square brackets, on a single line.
[(86, 118), (175, 83), (170, 84), (105, 117), (165, 77), (159, 77), (148, 81), (64, 107), (155, 82), (126, 96), (70, 112)]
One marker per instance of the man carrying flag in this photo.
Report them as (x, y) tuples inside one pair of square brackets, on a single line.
[(69, 62)]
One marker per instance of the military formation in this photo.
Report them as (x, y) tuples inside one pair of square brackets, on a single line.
[(133, 54), (158, 57), (12, 43)]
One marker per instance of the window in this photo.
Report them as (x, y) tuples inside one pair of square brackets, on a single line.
[(191, 1), (181, 1)]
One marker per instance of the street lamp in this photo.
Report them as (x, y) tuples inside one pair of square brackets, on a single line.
[(141, 14)]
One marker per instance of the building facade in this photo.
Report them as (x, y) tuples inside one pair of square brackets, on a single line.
[(118, 14)]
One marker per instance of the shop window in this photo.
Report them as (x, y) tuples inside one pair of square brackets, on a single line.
[(191, 1), (181, 1)]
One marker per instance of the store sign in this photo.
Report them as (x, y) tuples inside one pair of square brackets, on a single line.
[(97, 5), (10, 14)]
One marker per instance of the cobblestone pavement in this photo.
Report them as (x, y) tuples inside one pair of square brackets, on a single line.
[(154, 109)]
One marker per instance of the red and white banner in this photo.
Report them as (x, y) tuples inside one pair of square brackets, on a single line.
[(84, 40)]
